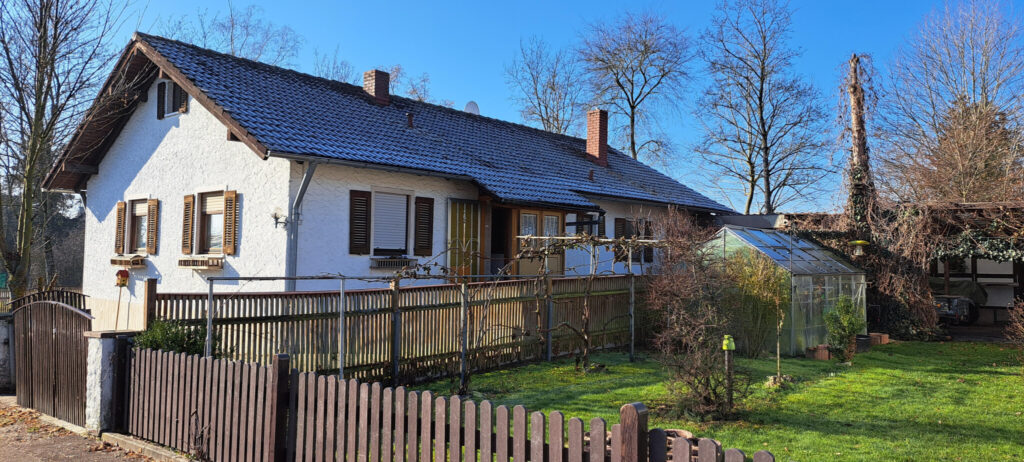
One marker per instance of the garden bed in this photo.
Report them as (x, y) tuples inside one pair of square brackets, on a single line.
[(902, 401)]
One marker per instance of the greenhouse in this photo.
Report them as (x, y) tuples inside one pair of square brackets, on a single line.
[(818, 279)]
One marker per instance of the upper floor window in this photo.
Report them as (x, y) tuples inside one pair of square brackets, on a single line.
[(210, 223), (138, 222), (170, 99), (137, 226)]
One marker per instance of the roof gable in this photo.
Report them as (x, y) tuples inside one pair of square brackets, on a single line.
[(288, 113)]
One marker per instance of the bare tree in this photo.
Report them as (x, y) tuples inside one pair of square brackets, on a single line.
[(950, 118), (333, 67), (414, 87), (634, 65), (763, 124), (240, 32), (547, 84), (54, 57)]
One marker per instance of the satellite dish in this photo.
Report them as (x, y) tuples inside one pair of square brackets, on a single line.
[(472, 108)]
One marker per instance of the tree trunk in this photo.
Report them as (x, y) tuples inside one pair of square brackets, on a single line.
[(861, 186)]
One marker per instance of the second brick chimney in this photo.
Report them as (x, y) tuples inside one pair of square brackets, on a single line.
[(376, 84), (597, 136)]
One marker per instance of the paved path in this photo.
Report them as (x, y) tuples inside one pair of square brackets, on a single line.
[(26, 438)]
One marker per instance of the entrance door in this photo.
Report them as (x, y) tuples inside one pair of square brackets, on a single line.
[(537, 223), (464, 236)]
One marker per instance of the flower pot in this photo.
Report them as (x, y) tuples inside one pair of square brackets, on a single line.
[(863, 343)]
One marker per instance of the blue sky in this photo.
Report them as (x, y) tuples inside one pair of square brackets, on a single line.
[(464, 46)]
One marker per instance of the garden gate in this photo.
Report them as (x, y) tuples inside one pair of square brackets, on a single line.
[(50, 352)]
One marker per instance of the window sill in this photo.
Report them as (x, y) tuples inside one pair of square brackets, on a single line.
[(391, 263)]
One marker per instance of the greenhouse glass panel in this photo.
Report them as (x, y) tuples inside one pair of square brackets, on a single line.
[(819, 279)]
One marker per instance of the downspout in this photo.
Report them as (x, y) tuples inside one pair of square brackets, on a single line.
[(291, 262)]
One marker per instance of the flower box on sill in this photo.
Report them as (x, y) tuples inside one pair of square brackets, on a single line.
[(129, 261), (395, 263), (201, 263)]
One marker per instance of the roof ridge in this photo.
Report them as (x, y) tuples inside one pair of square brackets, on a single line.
[(147, 36)]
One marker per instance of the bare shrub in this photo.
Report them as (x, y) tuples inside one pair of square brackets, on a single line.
[(687, 296)]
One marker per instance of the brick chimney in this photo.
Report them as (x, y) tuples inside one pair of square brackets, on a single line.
[(376, 84), (597, 136)]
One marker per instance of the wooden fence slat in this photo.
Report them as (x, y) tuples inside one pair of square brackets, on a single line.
[(576, 440), (735, 455), (537, 425), (556, 436), (454, 427), (708, 450), (412, 438), (470, 432), (352, 426), (659, 445), (386, 425), (682, 449), (331, 414), (519, 436), (598, 439), (375, 412), (426, 419), (502, 434), (763, 456), (321, 415), (440, 427), (399, 435)]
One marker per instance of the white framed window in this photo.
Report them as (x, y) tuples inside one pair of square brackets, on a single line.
[(390, 223)]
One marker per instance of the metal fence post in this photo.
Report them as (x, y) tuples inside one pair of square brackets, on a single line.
[(396, 332), (208, 350), (342, 331), (465, 335)]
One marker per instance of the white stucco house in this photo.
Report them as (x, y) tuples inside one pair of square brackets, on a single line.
[(195, 163)]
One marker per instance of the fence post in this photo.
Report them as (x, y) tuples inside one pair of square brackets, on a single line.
[(396, 331), (279, 392), (549, 300), (208, 350), (633, 427), (465, 335), (632, 315), (342, 331), (148, 302)]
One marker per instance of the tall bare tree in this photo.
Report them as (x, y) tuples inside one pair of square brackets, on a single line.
[(332, 66), (862, 186), (54, 56), (239, 32), (413, 86), (548, 85), (950, 118), (763, 123), (635, 64)]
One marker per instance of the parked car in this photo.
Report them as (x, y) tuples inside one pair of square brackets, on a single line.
[(956, 309)]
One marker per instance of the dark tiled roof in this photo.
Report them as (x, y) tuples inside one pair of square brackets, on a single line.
[(295, 113)]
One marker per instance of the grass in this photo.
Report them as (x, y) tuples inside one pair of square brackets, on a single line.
[(905, 401)]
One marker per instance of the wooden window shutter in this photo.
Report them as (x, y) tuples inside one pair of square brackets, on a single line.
[(180, 99), (423, 227), (359, 222), (600, 227), (161, 98), (152, 225), (119, 222), (620, 232), (188, 225), (230, 242), (648, 250)]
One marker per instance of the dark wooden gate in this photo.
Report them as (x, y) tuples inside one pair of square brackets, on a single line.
[(50, 358)]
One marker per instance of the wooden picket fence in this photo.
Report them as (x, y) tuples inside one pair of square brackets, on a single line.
[(223, 410), (414, 330)]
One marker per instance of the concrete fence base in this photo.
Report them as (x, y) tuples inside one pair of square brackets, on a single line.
[(105, 381)]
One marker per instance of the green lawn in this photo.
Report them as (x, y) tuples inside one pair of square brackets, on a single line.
[(907, 401)]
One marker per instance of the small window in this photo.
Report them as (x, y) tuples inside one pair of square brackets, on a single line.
[(138, 227), (170, 99), (390, 223), (211, 223)]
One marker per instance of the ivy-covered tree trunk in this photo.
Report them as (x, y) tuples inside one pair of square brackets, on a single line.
[(862, 188)]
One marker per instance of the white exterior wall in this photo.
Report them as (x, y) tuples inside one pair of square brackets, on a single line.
[(167, 159), (324, 226), (578, 261)]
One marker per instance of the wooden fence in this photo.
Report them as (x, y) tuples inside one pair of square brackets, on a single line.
[(507, 322), (224, 410)]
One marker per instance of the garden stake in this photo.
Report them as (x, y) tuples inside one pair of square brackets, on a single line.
[(728, 345)]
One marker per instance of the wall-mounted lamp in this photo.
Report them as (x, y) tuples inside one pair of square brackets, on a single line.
[(279, 219), (858, 247)]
